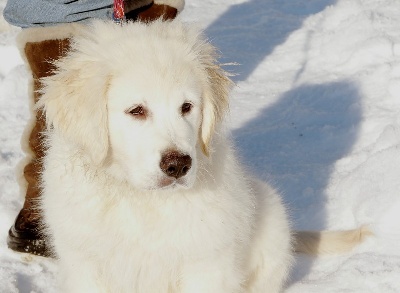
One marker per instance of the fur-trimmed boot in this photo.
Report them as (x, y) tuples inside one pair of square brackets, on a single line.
[(149, 10), (39, 47)]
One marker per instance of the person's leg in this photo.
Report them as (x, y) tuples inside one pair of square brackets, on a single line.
[(30, 13)]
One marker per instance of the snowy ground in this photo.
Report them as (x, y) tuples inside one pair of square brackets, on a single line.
[(315, 111)]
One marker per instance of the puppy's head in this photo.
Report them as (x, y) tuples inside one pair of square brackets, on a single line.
[(141, 100)]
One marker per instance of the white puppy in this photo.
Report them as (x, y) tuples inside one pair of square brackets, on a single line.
[(141, 193)]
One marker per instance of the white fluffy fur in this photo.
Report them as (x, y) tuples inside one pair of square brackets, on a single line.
[(119, 224)]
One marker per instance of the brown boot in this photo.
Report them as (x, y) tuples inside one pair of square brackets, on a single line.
[(167, 10), (26, 233)]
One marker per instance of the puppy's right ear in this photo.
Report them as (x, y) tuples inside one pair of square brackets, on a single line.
[(74, 100)]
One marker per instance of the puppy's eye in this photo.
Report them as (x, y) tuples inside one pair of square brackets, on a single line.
[(186, 108), (138, 112)]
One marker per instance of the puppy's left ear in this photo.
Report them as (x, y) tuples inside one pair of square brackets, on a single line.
[(215, 96), (74, 100)]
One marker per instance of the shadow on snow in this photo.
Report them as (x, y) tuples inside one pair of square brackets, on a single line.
[(248, 32), (295, 144)]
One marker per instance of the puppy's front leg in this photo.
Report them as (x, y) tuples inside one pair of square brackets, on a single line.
[(79, 276), (212, 275)]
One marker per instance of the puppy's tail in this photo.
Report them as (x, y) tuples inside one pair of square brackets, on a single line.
[(329, 242)]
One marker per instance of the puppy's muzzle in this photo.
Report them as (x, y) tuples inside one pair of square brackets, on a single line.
[(175, 164)]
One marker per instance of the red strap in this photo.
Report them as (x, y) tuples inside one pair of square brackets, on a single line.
[(119, 13)]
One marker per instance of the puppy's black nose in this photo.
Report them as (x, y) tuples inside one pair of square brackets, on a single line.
[(175, 164)]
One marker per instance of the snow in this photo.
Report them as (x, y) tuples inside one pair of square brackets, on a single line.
[(315, 112)]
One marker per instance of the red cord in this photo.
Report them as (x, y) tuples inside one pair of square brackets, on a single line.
[(119, 13)]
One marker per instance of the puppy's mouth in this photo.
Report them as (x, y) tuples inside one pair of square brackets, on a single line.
[(172, 183)]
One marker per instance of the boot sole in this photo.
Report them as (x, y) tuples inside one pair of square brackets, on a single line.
[(31, 246)]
